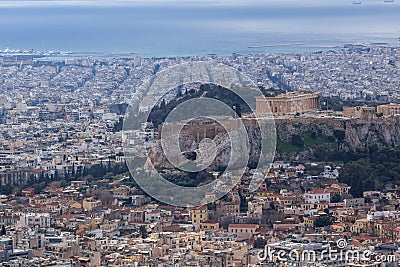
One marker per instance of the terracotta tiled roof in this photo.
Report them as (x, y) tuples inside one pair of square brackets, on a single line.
[(200, 208), (80, 231), (363, 238), (244, 225), (210, 221), (173, 228), (317, 191)]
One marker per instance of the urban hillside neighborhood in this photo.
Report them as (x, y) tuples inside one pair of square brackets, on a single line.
[(67, 197)]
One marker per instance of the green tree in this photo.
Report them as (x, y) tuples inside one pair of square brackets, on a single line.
[(339, 135), (297, 140), (323, 221), (143, 231), (335, 198), (357, 175)]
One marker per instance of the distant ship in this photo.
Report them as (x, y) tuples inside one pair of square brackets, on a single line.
[(388, 1), (356, 2)]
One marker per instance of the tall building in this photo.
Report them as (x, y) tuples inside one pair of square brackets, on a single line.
[(288, 104)]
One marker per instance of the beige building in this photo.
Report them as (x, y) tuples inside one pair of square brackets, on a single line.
[(89, 203), (289, 103), (245, 231), (121, 192), (389, 109), (363, 112), (209, 225), (199, 215)]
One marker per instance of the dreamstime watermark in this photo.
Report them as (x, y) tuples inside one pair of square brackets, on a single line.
[(339, 253), (238, 142)]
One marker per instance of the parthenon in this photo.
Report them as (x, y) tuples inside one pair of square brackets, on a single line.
[(289, 103)]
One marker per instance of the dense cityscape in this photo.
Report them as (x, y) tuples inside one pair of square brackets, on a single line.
[(68, 199)]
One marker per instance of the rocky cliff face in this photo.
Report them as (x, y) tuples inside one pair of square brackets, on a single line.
[(237, 153), (345, 134), (352, 134), (381, 133), (191, 151)]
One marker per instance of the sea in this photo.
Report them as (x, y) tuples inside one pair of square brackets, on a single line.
[(187, 28)]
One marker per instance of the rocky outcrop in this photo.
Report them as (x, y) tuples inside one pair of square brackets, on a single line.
[(348, 134), (357, 133), (384, 132), (223, 152)]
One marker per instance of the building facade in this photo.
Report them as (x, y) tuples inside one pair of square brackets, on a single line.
[(199, 215), (363, 112), (288, 104), (389, 109), (317, 195)]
